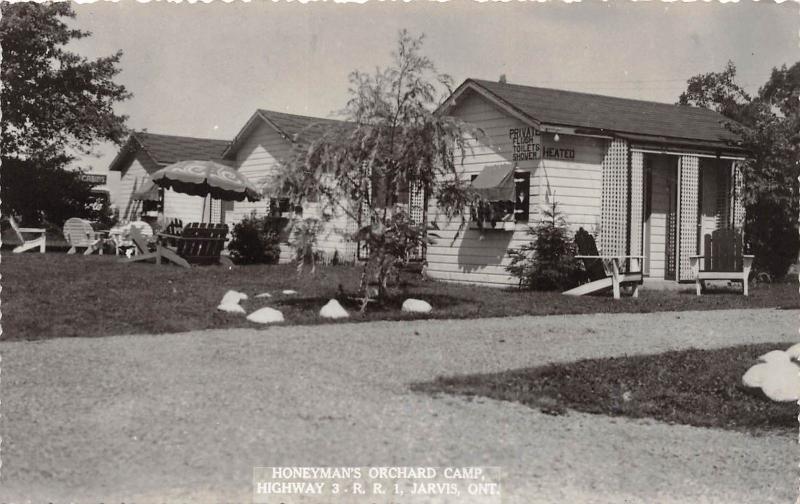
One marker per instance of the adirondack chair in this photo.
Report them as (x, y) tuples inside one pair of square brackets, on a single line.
[(27, 244), (604, 271), (79, 233), (723, 260), (198, 243)]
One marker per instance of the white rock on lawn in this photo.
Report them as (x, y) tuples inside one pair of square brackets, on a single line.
[(264, 295), (230, 302), (416, 306), (778, 376), (265, 316), (333, 310), (289, 291)]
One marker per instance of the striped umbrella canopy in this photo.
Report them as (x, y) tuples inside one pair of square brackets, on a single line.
[(203, 178)]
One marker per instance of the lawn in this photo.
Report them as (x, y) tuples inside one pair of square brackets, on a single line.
[(692, 387), (58, 295)]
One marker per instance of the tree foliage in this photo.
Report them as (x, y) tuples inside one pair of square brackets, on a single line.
[(769, 126), (548, 262), (53, 101), (392, 143)]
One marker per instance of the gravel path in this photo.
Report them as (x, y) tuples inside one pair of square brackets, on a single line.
[(186, 417)]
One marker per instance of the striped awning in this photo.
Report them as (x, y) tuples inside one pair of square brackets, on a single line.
[(495, 183)]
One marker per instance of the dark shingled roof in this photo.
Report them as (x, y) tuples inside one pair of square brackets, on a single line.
[(292, 124), (167, 149), (622, 115)]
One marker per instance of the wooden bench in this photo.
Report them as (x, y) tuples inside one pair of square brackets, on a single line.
[(723, 260), (198, 243), (605, 271)]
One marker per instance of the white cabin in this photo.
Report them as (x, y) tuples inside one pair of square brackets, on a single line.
[(644, 178)]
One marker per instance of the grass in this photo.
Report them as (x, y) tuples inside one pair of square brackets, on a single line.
[(692, 387), (58, 295)]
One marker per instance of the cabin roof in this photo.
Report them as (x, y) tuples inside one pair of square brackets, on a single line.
[(290, 126), (604, 114), (167, 149)]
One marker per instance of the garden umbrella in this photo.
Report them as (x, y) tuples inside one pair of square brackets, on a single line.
[(203, 178)]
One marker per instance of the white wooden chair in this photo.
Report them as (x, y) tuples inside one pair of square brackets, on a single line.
[(605, 271), (27, 244), (723, 260), (79, 234)]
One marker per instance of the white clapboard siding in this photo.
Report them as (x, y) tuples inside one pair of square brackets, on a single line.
[(130, 181), (184, 207), (460, 254), (258, 159)]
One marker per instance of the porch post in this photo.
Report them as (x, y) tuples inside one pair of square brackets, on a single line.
[(688, 186), (614, 199)]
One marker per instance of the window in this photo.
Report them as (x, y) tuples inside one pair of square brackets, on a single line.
[(506, 193), (278, 206)]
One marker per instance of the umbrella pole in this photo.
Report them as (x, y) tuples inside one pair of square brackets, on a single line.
[(203, 215)]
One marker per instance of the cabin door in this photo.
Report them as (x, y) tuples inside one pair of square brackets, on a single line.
[(660, 215)]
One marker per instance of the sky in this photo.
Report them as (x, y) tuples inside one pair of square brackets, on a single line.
[(203, 69)]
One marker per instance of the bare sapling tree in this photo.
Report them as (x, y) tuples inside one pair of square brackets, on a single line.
[(393, 143)]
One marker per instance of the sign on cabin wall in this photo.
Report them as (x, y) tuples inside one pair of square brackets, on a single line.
[(557, 153), (93, 178), (526, 143)]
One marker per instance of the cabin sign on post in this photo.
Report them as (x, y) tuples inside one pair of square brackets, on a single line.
[(526, 143)]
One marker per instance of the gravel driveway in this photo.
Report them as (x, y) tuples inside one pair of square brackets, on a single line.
[(186, 417)]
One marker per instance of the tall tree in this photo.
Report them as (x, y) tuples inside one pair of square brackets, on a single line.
[(769, 126), (392, 143), (53, 101)]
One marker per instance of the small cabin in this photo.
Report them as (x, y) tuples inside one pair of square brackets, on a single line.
[(264, 142), (145, 153), (644, 178)]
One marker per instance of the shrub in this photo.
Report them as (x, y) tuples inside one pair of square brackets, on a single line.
[(548, 262), (255, 240)]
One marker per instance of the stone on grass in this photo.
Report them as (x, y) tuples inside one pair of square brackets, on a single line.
[(794, 352), (333, 310), (290, 291), (777, 375), (416, 306), (264, 295), (265, 316), (230, 302), (774, 356)]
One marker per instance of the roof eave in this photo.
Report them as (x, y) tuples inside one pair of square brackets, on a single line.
[(233, 147), (471, 85)]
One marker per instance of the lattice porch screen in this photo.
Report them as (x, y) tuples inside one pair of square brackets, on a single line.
[(416, 211), (614, 204), (738, 195), (688, 190), (637, 202)]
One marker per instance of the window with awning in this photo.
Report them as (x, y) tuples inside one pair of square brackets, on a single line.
[(506, 188), (496, 183)]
